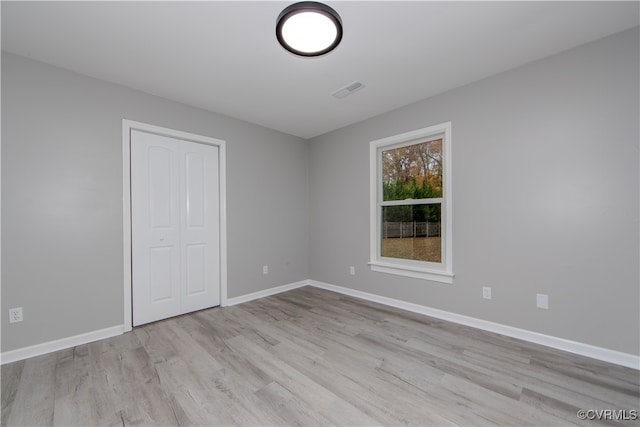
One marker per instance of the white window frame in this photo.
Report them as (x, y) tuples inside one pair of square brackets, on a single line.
[(438, 272)]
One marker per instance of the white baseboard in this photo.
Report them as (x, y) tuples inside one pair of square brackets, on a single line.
[(61, 344), (599, 353), (267, 292), (588, 350), (64, 343)]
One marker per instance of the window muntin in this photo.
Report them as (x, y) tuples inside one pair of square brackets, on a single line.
[(410, 207)]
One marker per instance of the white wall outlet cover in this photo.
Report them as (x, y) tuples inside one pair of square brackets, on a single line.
[(542, 301), (486, 292), (265, 269), (352, 270), (15, 315)]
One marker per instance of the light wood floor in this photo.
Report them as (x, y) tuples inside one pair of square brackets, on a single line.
[(312, 357)]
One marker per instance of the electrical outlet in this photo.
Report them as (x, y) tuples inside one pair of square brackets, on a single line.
[(486, 292), (352, 270), (15, 315), (542, 301), (265, 269)]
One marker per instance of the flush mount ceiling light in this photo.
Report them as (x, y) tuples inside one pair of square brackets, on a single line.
[(309, 28)]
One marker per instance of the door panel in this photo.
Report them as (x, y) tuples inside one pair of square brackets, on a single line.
[(175, 227), (161, 195), (200, 231), (160, 274), (155, 225), (195, 175), (195, 269)]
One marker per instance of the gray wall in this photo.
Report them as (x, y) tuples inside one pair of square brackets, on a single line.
[(545, 181), (62, 199)]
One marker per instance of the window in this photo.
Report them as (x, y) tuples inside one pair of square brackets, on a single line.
[(411, 204)]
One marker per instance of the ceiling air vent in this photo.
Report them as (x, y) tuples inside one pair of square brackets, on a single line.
[(348, 90)]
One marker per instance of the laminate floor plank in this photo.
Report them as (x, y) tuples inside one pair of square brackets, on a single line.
[(545, 381), (365, 388), (132, 388), (313, 357), (329, 408), (72, 404), (10, 377), (34, 397)]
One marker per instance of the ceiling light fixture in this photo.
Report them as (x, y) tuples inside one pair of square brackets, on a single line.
[(309, 28)]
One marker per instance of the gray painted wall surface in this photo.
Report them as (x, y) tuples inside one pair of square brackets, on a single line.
[(62, 199), (545, 184)]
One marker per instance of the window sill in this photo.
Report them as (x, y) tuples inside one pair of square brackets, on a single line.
[(415, 272)]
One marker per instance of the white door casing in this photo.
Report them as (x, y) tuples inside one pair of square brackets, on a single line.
[(175, 221)]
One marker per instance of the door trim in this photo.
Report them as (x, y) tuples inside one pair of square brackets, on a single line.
[(127, 126)]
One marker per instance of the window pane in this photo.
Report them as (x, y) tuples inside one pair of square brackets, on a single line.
[(412, 172), (412, 232)]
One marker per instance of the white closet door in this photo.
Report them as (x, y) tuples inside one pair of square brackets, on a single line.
[(175, 227), (200, 227)]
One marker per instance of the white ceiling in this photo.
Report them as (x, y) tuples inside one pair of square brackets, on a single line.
[(224, 57)]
